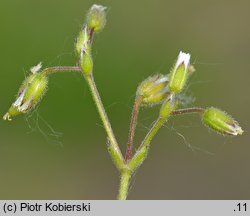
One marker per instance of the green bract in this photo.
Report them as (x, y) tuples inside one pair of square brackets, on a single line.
[(221, 122)]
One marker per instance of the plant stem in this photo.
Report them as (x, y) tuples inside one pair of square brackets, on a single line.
[(117, 156), (56, 69), (154, 129), (160, 121), (188, 110), (91, 35), (124, 184), (133, 123), (103, 115)]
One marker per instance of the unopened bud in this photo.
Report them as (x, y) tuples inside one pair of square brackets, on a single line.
[(83, 51), (96, 18), (30, 93), (221, 122), (179, 74), (167, 107), (86, 63), (82, 42), (154, 90)]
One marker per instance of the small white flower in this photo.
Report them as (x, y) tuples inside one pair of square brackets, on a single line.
[(179, 74)]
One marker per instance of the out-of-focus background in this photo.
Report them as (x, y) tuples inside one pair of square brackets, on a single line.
[(59, 152)]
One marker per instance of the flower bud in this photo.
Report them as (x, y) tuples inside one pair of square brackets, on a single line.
[(83, 51), (86, 63), (167, 107), (82, 42), (96, 18), (154, 90), (179, 74), (30, 93), (221, 122)]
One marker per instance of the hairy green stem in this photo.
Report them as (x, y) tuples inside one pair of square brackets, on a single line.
[(142, 152), (154, 129), (188, 110), (103, 116), (160, 121), (124, 184), (115, 150), (57, 69), (138, 159)]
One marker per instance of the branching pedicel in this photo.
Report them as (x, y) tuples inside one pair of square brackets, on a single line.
[(158, 89)]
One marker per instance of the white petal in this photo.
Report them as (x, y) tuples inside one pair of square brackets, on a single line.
[(98, 7), (183, 58), (161, 80), (36, 68), (19, 100)]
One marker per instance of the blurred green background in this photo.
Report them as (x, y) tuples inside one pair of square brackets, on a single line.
[(141, 38)]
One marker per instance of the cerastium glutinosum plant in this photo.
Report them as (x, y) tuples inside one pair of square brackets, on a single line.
[(159, 89)]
